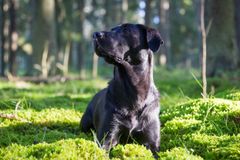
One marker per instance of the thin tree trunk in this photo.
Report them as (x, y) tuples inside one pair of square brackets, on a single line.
[(29, 57), (107, 17), (95, 65), (2, 20), (164, 28), (13, 46), (80, 44), (64, 10), (59, 27), (148, 12), (204, 51), (197, 7), (237, 27), (5, 40), (124, 11), (115, 12), (44, 32)]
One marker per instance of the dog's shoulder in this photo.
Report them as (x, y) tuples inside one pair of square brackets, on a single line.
[(101, 93)]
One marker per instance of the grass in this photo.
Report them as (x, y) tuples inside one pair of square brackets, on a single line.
[(48, 115)]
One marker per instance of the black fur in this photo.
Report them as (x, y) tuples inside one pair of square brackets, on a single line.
[(128, 109)]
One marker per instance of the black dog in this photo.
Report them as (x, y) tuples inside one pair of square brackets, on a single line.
[(128, 109)]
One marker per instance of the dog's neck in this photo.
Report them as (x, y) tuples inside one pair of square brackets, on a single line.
[(131, 83)]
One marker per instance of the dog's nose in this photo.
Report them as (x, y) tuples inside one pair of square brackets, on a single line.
[(97, 34)]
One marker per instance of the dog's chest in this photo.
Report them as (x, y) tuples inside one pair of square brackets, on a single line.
[(132, 121)]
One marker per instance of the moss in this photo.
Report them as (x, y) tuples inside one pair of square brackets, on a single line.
[(64, 149), (205, 126), (131, 151), (217, 115), (216, 147), (178, 154), (178, 125), (233, 94), (48, 120)]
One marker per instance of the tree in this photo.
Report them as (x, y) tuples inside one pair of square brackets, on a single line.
[(147, 17), (2, 19), (221, 55), (164, 27), (44, 33), (64, 14), (124, 11), (78, 52), (13, 46), (204, 50), (64, 27), (116, 12), (237, 26), (107, 16)]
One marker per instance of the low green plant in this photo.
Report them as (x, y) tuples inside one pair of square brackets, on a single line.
[(204, 126), (178, 154), (131, 151), (63, 149), (41, 121)]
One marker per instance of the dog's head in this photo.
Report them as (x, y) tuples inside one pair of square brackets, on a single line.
[(125, 41)]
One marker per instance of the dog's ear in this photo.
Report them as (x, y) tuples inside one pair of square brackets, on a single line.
[(153, 39)]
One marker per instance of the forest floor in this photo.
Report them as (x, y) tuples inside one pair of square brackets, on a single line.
[(41, 121)]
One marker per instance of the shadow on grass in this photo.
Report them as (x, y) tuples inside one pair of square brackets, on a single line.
[(66, 102), (79, 103), (51, 89), (32, 133)]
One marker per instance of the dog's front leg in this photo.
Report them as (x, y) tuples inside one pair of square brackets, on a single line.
[(152, 137), (109, 141), (109, 137)]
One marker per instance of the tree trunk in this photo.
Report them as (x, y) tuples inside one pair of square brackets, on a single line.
[(204, 50), (164, 27), (59, 9), (107, 17), (124, 11), (28, 57), (2, 19), (95, 66), (197, 7), (13, 46), (237, 27), (79, 49), (81, 45), (148, 12), (221, 55), (44, 33), (115, 12), (64, 10)]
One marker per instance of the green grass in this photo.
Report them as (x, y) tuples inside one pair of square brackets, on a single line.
[(48, 115)]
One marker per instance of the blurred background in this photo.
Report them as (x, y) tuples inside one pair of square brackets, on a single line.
[(43, 38)]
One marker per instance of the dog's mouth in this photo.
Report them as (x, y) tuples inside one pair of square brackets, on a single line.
[(100, 51), (103, 52)]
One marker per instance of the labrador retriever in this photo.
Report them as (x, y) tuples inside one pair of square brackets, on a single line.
[(128, 109)]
